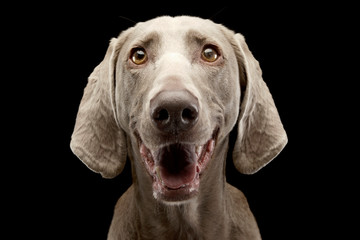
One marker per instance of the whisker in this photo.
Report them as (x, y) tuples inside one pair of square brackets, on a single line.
[(128, 19), (218, 12)]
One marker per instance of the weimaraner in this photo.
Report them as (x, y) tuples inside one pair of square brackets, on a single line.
[(167, 95)]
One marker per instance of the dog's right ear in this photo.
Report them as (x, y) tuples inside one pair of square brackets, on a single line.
[(98, 140)]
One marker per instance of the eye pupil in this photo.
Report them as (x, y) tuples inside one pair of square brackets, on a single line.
[(138, 56), (209, 54)]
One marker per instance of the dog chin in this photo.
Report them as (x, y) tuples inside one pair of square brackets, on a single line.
[(176, 169), (174, 196)]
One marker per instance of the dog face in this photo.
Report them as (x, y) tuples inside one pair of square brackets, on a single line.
[(172, 87), (182, 92)]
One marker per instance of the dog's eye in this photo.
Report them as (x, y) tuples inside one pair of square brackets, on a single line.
[(210, 53), (138, 56)]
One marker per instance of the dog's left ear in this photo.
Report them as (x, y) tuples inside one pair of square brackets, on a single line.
[(261, 135)]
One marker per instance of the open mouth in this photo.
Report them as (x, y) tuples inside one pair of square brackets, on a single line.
[(176, 168)]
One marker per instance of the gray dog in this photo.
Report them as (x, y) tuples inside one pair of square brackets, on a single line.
[(167, 95)]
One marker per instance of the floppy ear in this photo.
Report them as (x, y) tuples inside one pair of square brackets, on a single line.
[(261, 135), (98, 140)]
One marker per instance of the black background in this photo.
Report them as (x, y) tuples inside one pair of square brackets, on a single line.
[(53, 195)]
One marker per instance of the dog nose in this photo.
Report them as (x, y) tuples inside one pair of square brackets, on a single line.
[(174, 111)]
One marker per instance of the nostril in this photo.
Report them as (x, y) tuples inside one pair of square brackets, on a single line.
[(161, 118), (189, 114), (161, 115)]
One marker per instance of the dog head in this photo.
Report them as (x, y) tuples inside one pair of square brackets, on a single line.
[(168, 93)]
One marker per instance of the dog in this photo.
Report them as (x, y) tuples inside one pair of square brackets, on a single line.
[(167, 95)]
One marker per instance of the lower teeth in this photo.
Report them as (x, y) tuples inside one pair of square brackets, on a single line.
[(198, 150), (157, 170)]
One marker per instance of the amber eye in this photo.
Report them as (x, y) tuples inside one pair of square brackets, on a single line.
[(138, 55), (210, 53)]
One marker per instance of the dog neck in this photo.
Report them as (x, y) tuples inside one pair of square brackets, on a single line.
[(184, 220)]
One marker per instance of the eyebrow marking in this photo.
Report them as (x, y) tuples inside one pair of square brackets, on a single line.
[(195, 36), (149, 39)]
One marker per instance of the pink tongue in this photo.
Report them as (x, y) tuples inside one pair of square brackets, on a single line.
[(175, 180)]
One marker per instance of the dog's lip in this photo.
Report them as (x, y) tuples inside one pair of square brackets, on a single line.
[(163, 182)]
